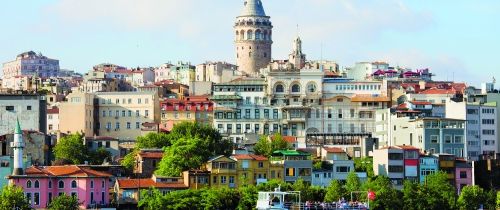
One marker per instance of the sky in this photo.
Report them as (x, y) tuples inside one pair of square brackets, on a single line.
[(457, 39)]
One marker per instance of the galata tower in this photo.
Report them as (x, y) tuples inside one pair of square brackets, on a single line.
[(253, 31)]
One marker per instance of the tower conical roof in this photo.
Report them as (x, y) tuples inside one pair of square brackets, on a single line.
[(253, 8), (18, 127)]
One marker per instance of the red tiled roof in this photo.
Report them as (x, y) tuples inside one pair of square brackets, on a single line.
[(438, 91), (421, 103), (68, 170), (333, 150), (249, 157), (147, 183), (407, 147), (289, 139), (402, 106), (154, 155)]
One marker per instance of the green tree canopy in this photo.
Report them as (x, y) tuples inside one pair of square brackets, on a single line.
[(386, 196), (266, 146), (334, 192), (413, 196), (12, 196), (220, 198), (248, 197), (472, 197), (186, 153), (153, 140), (440, 193), (71, 148), (352, 183), (64, 202), (364, 164)]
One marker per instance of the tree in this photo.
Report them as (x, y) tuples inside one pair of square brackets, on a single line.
[(387, 196), (334, 192), (262, 147), (413, 198), (71, 148), (498, 199), (472, 197), (152, 199), (440, 193), (352, 183), (220, 198), (64, 202), (305, 190), (364, 164), (184, 154), (12, 196), (248, 197), (153, 140), (99, 156), (214, 143), (129, 160), (266, 147)]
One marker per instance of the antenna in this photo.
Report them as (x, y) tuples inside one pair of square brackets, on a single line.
[(297, 29)]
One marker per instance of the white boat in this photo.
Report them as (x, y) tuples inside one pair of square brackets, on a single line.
[(278, 200)]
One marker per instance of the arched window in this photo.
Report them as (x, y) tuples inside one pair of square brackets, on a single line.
[(28, 184), (258, 35), (60, 184), (242, 35), (73, 184), (37, 184), (265, 36), (50, 184), (295, 88), (237, 35), (279, 88), (311, 87), (249, 35)]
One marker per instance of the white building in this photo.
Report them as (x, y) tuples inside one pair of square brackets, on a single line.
[(52, 120), (31, 110), (30, 64), (216, 72), (183, 73)]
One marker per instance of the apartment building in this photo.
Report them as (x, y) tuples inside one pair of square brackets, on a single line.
[(191, 109), (216, 72), (389, 161), (256, 169), (223, 172), (52, 120), (243, 111), (30, 64), (31, 110), (122, 114), (428, 165), (296, 164)]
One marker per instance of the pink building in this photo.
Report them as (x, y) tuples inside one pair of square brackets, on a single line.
[(42, 184), (463, 174)]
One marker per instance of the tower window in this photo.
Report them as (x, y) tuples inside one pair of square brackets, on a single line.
[(265, 55), (249, 54)]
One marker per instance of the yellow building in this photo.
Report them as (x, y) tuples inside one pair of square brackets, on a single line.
[(256, 169), (223, 172), (120, 115)]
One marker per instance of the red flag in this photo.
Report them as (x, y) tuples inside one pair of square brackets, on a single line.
[(371, 195)]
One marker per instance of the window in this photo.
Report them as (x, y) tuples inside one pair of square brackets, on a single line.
[(342, 169), (290, 172), (257, 114), (261, 164), (304, 172), (295, 88), (463, 174), (103, 184), (128, 125), (50, 197), (128, 194), (139, 101), (28, 184), (247, 113), (73, 194), (91, 197), (395, 156), (37, 184), (275, 114), (73, 184), (146, 113), (396, 169), (214, 179), (28, 108), (91, 184), (231, 179), (458, 139), (257, 128), (311, 88), (488, 132), (9, 108), (117, 125), (434, 139), (266, 113), (340, 113), (447, 139), (279, 89), (36, 199), (50, 184), (28, 197), (137, 113), (60, 184), (223, 179)]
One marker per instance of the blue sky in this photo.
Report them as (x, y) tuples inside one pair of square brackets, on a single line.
[(456, 39)]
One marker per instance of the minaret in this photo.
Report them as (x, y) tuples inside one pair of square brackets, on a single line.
[(253, 31), (297, 58), (18, 146)]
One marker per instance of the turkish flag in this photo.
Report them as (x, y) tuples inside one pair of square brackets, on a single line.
[(371, 195)]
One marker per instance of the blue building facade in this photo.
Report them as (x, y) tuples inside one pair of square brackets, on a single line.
[(443, 135), (429, 164)]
